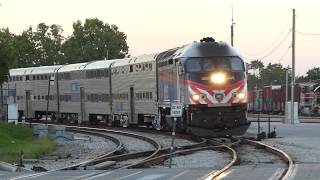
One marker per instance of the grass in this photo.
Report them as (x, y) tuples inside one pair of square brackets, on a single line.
[(15, 139)]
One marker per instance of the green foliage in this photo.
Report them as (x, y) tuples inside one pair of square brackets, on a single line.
[(6, 53), (261, 75), (46, 45), (256, 64), (39, 48), (48, 40), (94, 40), (312, 75), (26, 53), (273, 74), (14, 139)]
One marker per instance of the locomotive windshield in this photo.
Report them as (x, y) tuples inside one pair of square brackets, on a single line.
[(209, 64)]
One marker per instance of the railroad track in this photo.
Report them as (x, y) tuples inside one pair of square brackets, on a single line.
[(149, 158), (281, 154), (277, 152), (100, 133), (145, 162)]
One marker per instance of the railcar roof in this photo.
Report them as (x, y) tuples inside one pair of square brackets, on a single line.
[(121, 62), (143, 58), (19, 71), (101, 64), (44, 69), (134, 60), (73, 67), (34, 70)]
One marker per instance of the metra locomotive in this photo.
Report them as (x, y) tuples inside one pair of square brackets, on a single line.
[(208, 78)]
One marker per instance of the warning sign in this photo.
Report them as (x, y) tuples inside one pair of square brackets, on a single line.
[(176, 110)]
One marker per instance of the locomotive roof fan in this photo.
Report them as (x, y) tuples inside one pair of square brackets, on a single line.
[(207, 39)]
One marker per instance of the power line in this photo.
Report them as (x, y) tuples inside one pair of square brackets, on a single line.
[(283, 55), (275, 48), (308, 34), (273, 43)]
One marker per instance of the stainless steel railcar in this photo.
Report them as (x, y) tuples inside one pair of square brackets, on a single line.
[(139, 90)]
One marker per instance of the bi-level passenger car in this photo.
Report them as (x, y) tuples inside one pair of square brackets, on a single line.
[(208, 78)]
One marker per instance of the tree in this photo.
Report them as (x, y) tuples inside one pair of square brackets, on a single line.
[(39, 48), (273, 74), (25, 50), (94, 40), (254, 79), (6, 53), (260, 75), (312, 75), (256, 64), (48, 42)]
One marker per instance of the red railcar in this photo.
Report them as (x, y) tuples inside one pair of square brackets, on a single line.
[(255, 101), (273, 98)]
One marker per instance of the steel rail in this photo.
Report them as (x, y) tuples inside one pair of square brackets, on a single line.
[(215, 174), (161, 158), (127, 156), (149, 140), (116, 141), (92, 161), (284, 156)]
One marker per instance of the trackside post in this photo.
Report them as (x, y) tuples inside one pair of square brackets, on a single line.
[(176, 111)]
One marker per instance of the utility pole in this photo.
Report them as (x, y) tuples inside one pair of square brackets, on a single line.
[(82, 105), (293, 64), (2, 102), (286, 98), (27, 106), (232, 25), (48, 98), (58, 92)]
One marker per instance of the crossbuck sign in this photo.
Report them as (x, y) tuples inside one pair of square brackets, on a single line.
[(176, 110)]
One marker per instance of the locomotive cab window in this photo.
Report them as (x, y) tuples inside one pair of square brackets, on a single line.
[(193, 66), (236, 64), (214, 63)]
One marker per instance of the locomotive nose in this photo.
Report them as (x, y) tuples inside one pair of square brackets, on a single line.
[(219, 96)]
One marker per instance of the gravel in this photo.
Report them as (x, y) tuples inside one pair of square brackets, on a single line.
[(201, 159), (132, 144), (66, 153), (165, 140), (294, 147), (249, 155), (128, 162)]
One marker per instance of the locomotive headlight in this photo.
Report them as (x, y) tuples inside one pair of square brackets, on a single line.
[(196, 97), (241, 95), (218, 78)]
